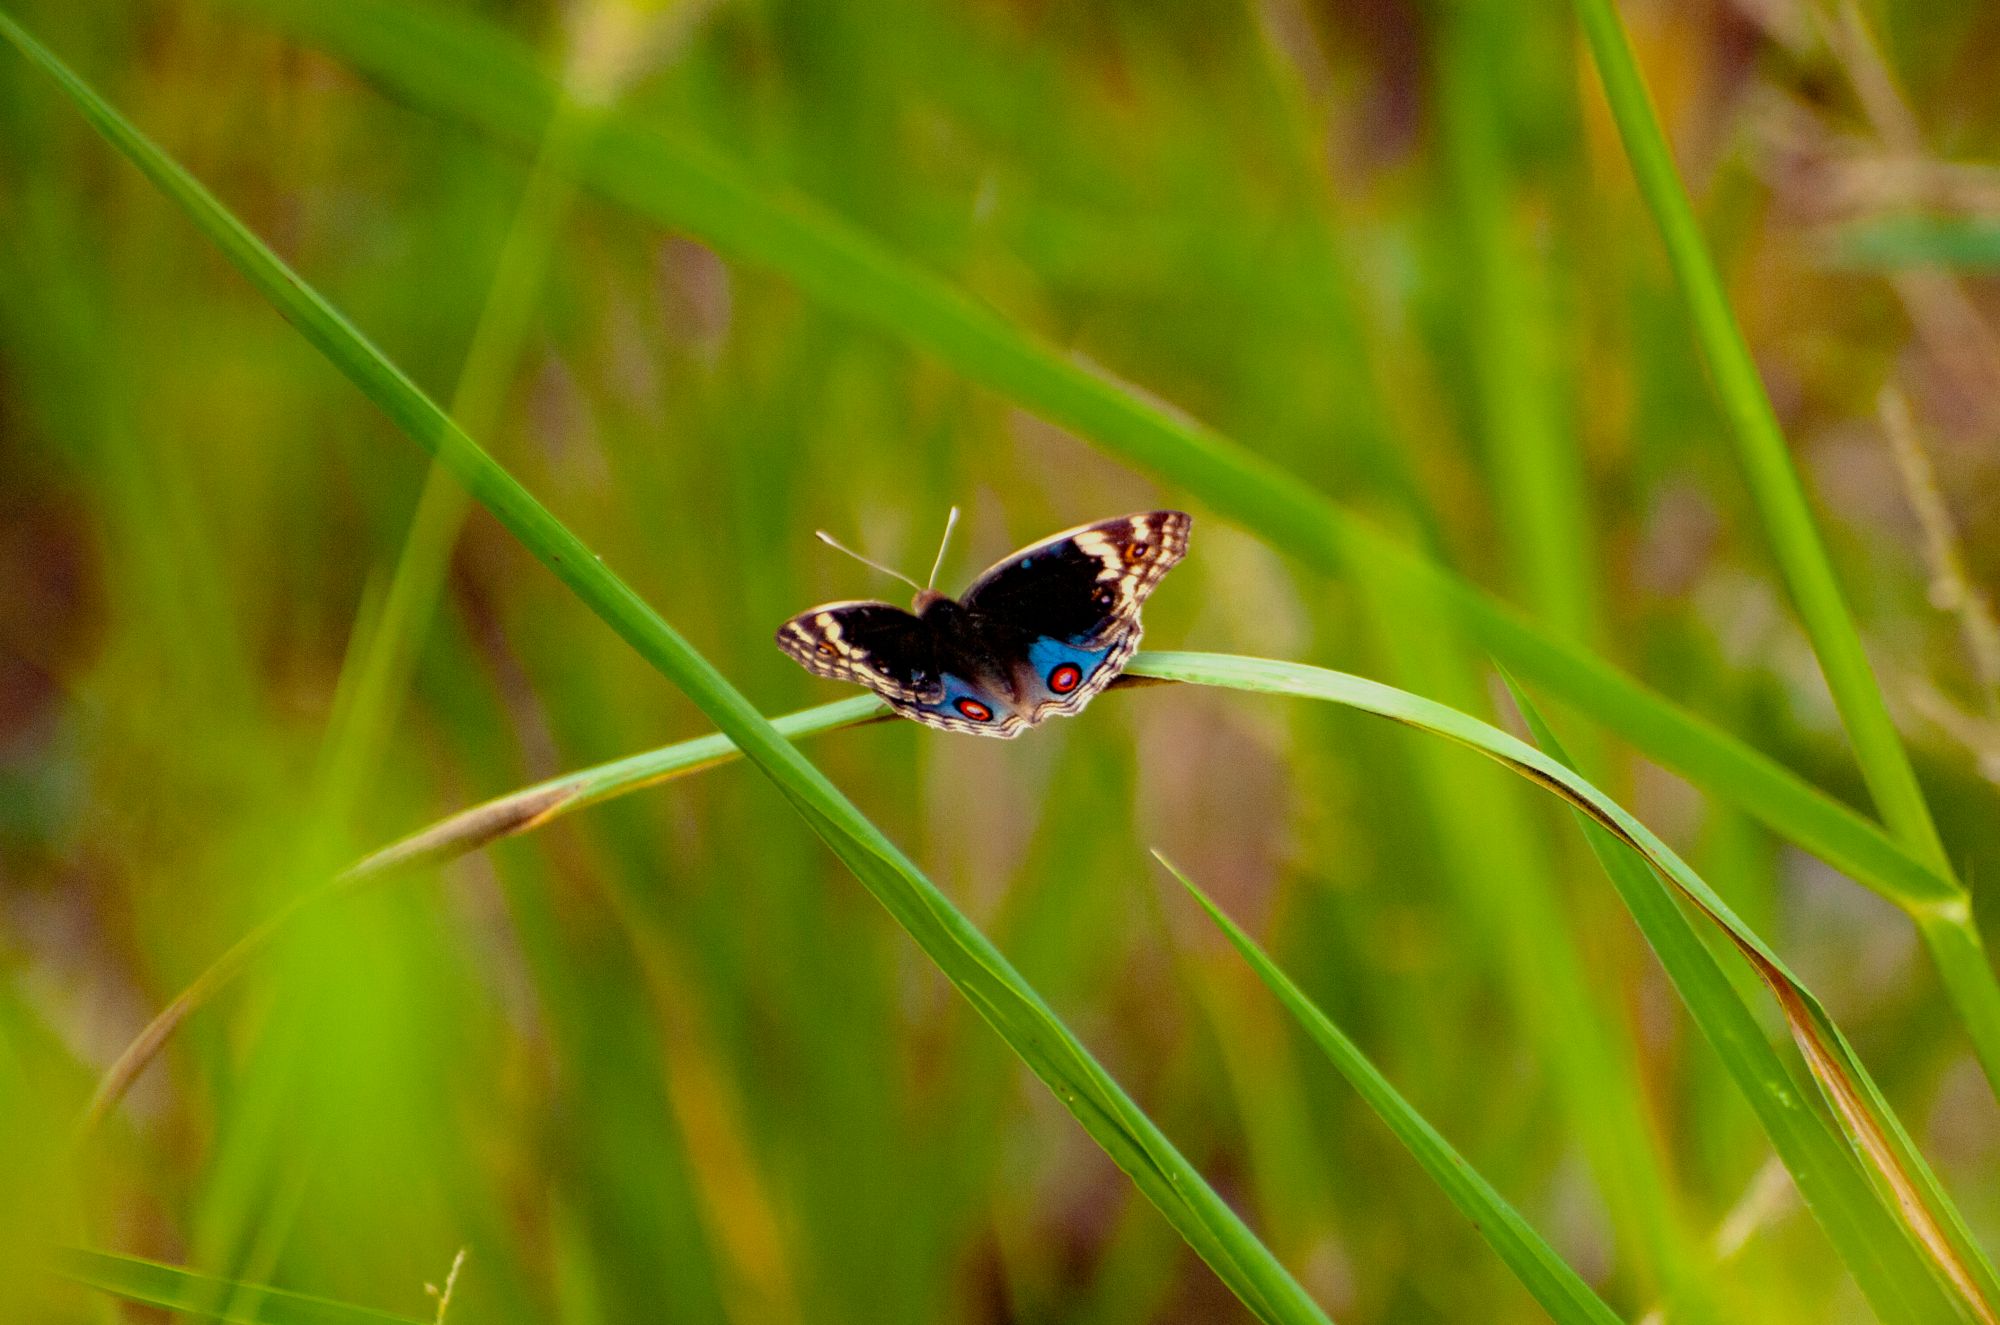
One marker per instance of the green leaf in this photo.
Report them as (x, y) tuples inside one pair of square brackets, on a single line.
[(1896, 242), (207, 1298), (1907, 1188), (1821, 1163), (1801, 555), (961, 952), (1541, 1271)]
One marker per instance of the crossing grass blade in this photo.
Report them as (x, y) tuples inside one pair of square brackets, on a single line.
[(961, 952), (1801, 555), (171, 1288), (1562, 1293), (481, 77)]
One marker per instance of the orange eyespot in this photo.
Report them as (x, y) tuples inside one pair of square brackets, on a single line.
[(973, 709), (1065, 678), (826, 649)]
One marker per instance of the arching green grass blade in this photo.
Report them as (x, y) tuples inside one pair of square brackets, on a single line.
[(962, 953), (1545, 1274), (1869, 1236), (1907, 1186), (1821, 1163)]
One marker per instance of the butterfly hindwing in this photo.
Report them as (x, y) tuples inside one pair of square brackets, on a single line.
[(967, 706), (1060, 677), (898, 656)]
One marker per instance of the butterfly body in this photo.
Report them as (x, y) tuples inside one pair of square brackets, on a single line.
[(1036, 636)]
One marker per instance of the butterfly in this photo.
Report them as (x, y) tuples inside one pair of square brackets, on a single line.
[(1034, 637)]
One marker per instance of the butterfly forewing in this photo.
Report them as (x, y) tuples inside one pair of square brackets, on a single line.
[(1085, 585), (878, 645)]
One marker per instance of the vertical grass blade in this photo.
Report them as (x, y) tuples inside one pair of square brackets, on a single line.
[(1541, 1271), (1496, 859), (1946, 921), (962, 953), (1760, 444)]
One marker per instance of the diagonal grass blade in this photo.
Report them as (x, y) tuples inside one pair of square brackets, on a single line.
[(962, 953)]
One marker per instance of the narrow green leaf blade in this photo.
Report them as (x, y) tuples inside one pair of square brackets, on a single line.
[(1894, 243), (426, 56), (1760, 445), (1541, 1271), (207, 1298), (1909, 1190), (1830, 1179)]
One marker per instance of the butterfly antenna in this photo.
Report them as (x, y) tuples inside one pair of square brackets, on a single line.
[(837, 546), (950, 523)]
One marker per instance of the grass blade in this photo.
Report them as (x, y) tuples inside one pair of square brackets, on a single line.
[(476, 75), (1760, 443), (961, 952), (1820, 1162), (1498, 864), (1541, 1271), (1908, 1184), (174, 1289), (453, 836), (1946, 920), (428, 57), (1893, 243)]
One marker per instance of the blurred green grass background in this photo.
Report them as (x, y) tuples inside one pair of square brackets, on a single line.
[(663, 1061)]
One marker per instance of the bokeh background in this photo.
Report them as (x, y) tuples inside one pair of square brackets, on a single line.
[(665, 1061)]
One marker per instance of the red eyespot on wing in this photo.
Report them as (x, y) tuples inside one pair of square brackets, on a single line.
[(1065, 678), (973, 709)]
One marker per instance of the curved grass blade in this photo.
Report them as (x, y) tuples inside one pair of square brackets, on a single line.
[(470, 829), (1559, 1289), (1919, 1201), (207, 1298), (477, 75), (1823, 1167), (959, 949), (1945, 921)]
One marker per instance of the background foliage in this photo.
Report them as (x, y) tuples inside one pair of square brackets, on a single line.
[(663, 1060)]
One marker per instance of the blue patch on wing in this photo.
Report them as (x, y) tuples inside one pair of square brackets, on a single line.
[(965, 702), (1046, 655)]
